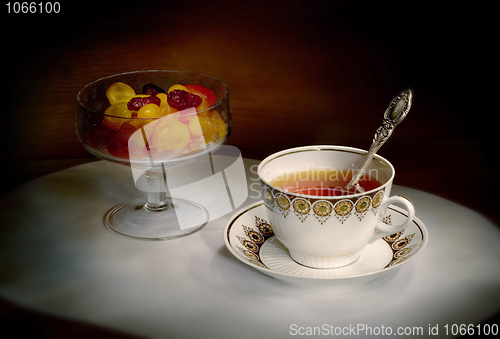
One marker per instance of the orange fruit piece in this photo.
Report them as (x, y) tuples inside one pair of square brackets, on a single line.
[(200, 125), (203, 92), (219, 129), (204, 105), (119, 92)]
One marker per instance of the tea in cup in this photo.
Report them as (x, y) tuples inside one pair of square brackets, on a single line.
[(320, 223)]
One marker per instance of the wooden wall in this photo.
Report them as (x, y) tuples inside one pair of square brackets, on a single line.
[(299, 72)]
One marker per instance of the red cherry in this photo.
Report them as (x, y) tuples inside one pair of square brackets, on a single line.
[(136, 103), (152, 89), (181, 100)]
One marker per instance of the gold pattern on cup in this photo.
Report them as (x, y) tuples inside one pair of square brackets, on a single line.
[(322, 210), (301, 207), (362, 205), (377, 201), (343, 210)]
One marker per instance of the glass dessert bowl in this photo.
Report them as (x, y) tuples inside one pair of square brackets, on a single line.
[(154, 121)]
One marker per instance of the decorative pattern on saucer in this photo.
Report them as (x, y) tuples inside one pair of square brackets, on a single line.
[(264, 227), (255, 238), (399, 243), (322, 208), (250, 238)]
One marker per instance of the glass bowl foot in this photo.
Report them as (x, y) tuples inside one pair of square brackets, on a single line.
[(134, 219)]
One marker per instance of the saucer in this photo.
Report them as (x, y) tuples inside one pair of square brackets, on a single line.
[(249, 237)]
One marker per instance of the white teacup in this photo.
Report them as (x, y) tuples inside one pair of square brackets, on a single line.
[(329, 231)]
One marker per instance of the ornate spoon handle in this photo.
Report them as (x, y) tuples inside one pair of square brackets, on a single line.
[(393, 115)]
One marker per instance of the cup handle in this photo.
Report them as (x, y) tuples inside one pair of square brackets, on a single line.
[(382, 229)]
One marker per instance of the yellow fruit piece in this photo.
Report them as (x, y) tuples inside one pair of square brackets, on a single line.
[(167, 110), (116, 115), (200, 125), (138, 123), (119, 92), (177, 86), (171, 117), (147, 114), (163, 98), (164, 106), (170, 135), (218, 130), (149, 111)]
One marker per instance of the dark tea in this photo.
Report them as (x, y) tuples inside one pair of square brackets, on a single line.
[(322, 182)]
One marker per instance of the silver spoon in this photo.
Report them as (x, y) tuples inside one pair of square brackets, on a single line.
[(395, 113)]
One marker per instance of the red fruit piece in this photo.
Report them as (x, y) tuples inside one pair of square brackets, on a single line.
[(181, 100), (99, 136), (151, 89), (203, 92), (126, 130), (118, 145), (118, 148), (137, 102)]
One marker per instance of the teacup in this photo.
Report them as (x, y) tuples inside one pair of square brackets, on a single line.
[(329, 231)]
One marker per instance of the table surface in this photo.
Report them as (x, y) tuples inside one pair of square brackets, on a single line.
[(60, 259)]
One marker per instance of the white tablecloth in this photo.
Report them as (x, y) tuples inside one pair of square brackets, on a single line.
[(57, 257)]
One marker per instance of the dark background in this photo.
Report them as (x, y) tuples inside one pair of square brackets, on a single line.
[(299, 72)]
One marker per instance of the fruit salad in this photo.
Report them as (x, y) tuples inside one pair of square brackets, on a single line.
[(192, 121)]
